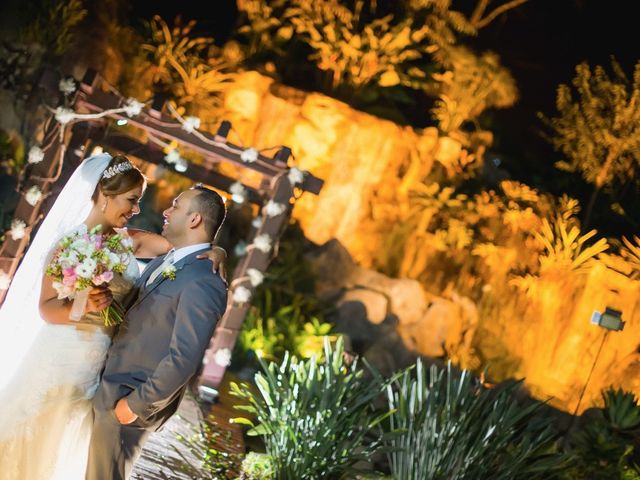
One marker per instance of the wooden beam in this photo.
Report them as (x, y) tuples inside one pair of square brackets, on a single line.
[(170, 129), (198, 173)]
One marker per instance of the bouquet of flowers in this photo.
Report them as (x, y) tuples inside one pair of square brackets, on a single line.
[(85, 259)]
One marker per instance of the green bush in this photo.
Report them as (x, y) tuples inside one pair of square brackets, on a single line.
[(285, 314), (606, 447), (316, 419), (454, 428)]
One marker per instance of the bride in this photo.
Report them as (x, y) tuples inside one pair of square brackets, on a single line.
[(50, 365)]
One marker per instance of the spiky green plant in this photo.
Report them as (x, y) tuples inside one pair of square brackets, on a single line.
[(605, 447), (316, 418), (621, 409), (454, 428)]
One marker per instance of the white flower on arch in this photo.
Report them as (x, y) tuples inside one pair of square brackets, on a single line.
[(256, 277), (222, 357), (190, 124), (295, 176), (241, 294), (33, 195), (249, 155), (36, 155), (273, 209), (133, 107), (263, 243), (18, 229)]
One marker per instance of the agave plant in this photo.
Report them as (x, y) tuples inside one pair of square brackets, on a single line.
[(605, 447), (316, 418), (621, 409), (454, 428)]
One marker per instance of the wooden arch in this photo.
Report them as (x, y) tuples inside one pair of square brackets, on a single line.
[(65, 148)]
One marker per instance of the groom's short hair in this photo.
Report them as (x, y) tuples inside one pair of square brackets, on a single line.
[(210, 205)]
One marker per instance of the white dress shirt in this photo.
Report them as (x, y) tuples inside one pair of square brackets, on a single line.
[(180, 253), (173, 256)]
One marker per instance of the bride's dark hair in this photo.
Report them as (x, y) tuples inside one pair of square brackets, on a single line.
[(119, 182)]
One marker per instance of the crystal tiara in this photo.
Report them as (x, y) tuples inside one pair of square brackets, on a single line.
[(116, 169)]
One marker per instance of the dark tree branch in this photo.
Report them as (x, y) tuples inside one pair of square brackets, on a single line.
[(479, 22)]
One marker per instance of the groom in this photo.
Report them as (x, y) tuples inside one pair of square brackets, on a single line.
[(161, 344)]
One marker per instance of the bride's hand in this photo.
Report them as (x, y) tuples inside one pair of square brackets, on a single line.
[(99, 299), (217, 255)]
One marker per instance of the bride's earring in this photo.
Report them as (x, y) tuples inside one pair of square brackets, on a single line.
[(104, 207)]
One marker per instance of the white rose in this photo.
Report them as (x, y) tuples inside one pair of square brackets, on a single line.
[(18, 229), (273, 209), (64, 115), (36, 155), (172, 157), (33, 196), (249, 155), (295, 176), (241, 294), (222, 357), (190, 124), (133, 107), (181, 165), (238, 192), (255, 276), (262, 243), (67, 86)]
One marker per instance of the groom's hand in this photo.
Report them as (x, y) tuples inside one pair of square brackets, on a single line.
[(123, 413)]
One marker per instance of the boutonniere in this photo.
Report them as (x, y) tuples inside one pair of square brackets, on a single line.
[(169, 272)]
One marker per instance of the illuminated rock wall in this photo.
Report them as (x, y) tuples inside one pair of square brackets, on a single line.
[(369, 165)]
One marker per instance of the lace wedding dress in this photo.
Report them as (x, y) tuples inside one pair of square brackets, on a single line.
[(49, 373), (46, 413)]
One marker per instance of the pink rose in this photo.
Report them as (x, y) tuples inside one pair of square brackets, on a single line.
[(69, 276), (98, 242), (107, 276)]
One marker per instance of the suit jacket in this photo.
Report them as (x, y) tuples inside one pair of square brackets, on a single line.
[(160, 345)]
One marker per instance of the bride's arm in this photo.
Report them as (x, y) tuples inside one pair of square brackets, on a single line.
[(56, 311), (150, 245)]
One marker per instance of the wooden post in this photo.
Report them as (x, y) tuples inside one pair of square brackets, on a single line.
[(229, 327)]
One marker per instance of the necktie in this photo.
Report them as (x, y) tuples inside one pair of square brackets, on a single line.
[(168, 260)]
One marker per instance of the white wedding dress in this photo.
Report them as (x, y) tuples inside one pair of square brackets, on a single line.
[(49, 403), (49, 373)]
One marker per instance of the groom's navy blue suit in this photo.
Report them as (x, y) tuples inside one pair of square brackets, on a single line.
[(156, 352)]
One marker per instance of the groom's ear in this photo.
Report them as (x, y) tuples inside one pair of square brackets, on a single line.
[(196, 219)]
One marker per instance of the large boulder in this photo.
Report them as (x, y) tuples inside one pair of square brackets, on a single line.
[(390, 320)]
